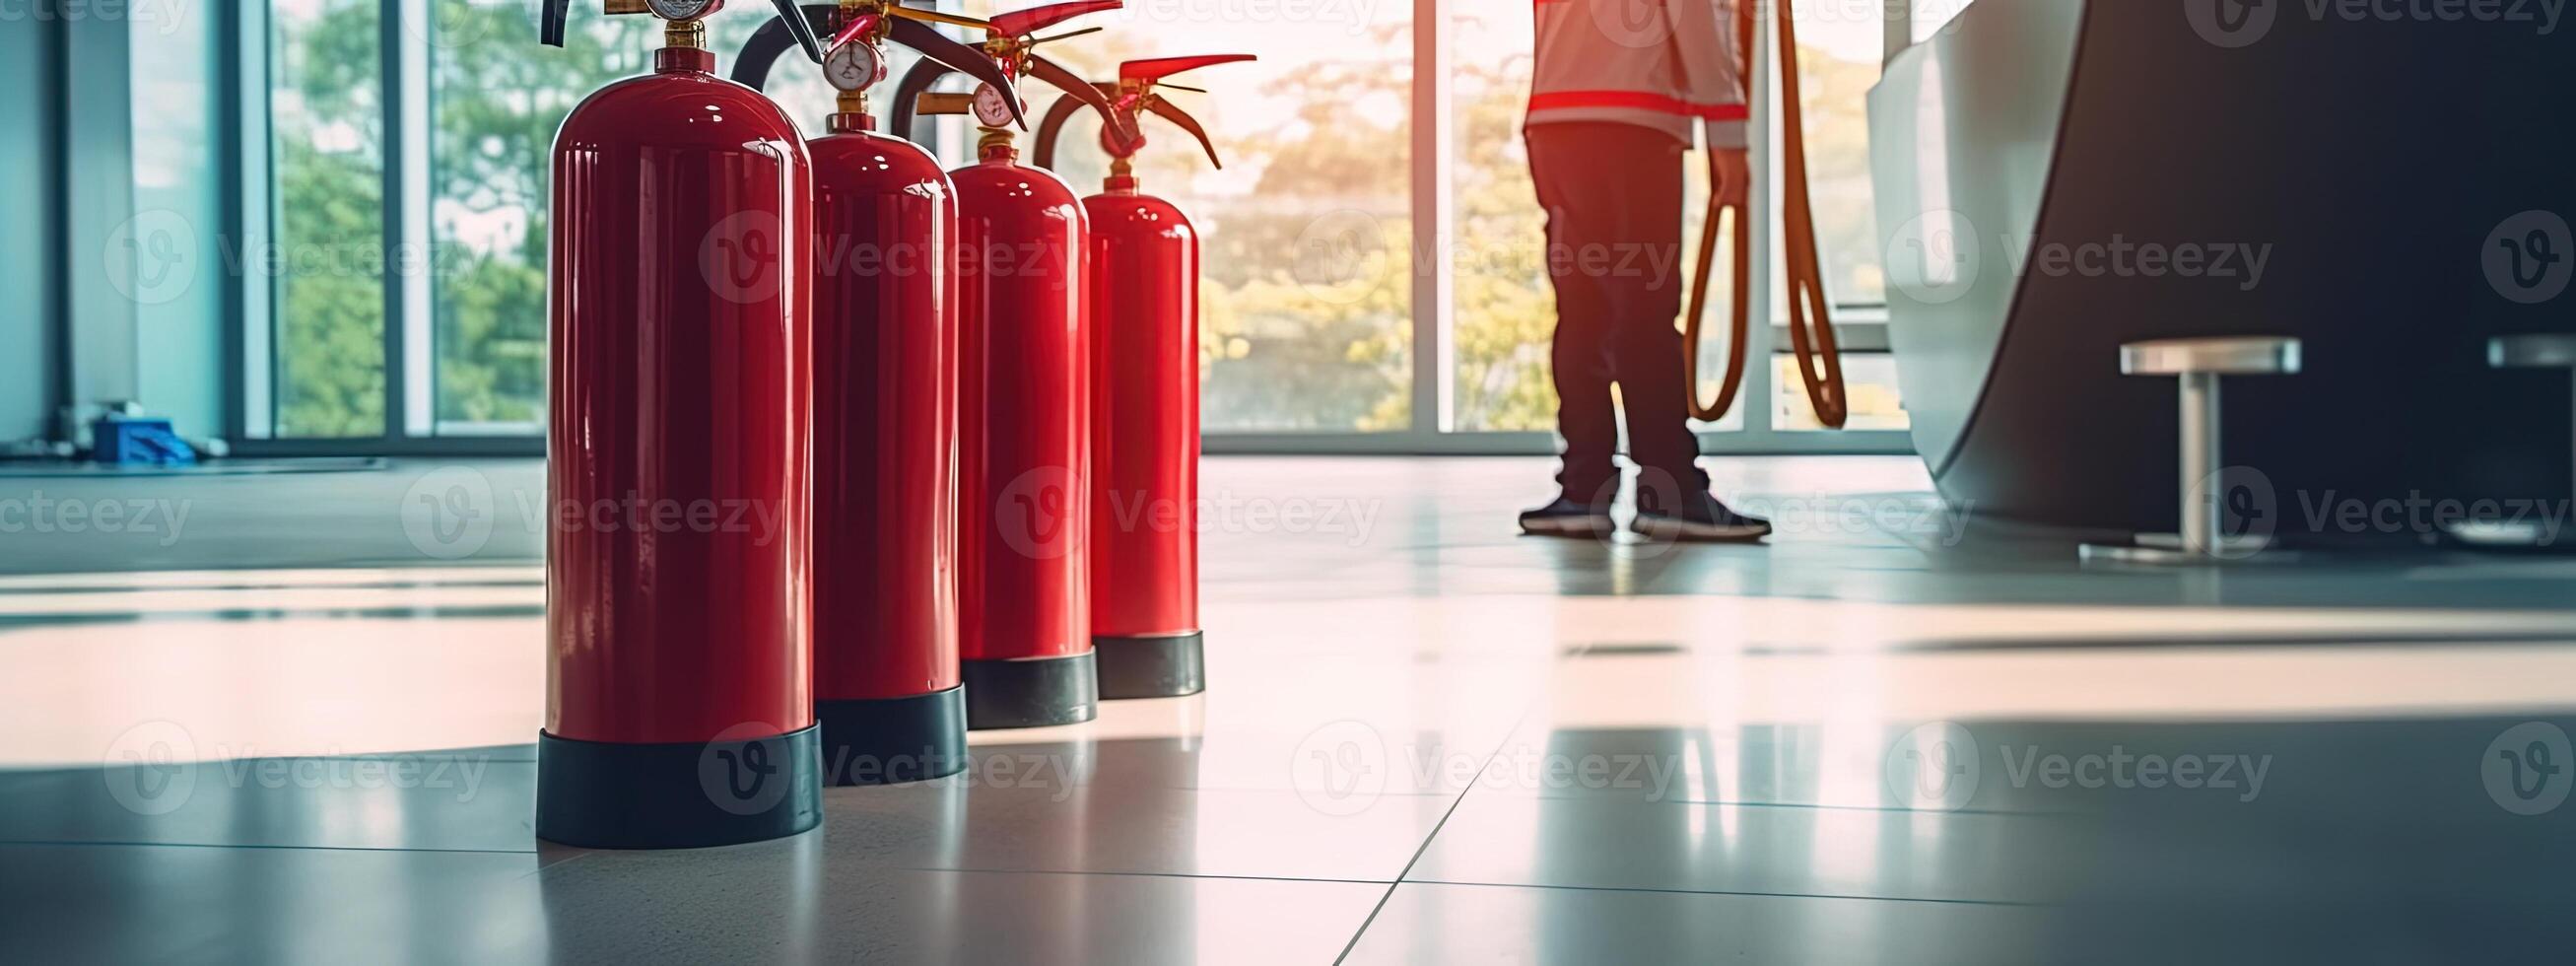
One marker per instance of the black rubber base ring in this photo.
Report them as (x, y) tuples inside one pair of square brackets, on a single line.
[(880, 741), (1160, 666), (1031, 693), (611, 795)]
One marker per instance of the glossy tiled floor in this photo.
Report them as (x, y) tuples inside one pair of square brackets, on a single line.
[(1427, 741)]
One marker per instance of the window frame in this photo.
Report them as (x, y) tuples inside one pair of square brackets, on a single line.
[(409, 350)]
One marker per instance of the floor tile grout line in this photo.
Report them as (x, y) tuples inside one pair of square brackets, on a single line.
[(1745, 893), (1418, 851), (1804, 806), (1408, 870), (546, 867), (1151, 875)]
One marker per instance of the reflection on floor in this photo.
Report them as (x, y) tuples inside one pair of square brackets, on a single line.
[(1428, 741)]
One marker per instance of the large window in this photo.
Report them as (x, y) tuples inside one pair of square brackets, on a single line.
[(326, 137), (1306, 318), (1505, 309), (1840, 46), (496, 100), (1325, 315)]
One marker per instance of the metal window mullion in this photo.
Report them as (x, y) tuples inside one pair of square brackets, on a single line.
[(401, 99), (1432, 189), (236, 128), (254, 282), (415, 262)]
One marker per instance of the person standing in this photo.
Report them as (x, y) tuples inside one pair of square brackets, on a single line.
[(1615, 92)]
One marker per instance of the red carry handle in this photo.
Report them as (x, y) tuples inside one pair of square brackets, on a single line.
[(1011, 31), (1134, 93), (1156, 68), (1021, 23)]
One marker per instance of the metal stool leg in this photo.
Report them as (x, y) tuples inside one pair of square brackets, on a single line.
[(2197, 365), (2200, 462)]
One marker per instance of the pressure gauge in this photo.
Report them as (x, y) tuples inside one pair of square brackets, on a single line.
[(853, 66), (682, 9), (992, 107)]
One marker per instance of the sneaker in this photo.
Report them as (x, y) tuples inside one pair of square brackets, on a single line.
[(1700, 517), (1564, 517)]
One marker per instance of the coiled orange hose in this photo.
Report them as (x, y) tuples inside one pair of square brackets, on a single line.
[(1811, 328)]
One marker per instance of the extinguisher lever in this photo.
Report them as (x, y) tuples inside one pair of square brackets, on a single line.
[(939, 48), (1140, 76), (1124, 100), (1153, 69), (940, 56), (1179, 118), (1123, 128), (1021, 23)]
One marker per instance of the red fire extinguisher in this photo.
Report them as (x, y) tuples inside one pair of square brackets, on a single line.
[(1145, 392), (1024, 631), (885, 409), (678, 707)]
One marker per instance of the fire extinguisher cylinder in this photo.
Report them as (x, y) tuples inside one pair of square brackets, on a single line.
[(1024, 627), (1024, 391), (679, 710), (886, 686), (1144, 298), (1145, 447), (885, 514)]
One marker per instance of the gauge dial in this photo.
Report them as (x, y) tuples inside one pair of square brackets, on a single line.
[(853, 66), (681, 9), (991, 107)]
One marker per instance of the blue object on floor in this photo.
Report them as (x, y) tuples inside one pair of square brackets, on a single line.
[(135, 439)]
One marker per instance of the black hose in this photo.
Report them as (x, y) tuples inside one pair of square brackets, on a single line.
[(751, 64)]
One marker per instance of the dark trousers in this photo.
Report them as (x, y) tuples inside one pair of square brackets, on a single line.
[(1613, 194)]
